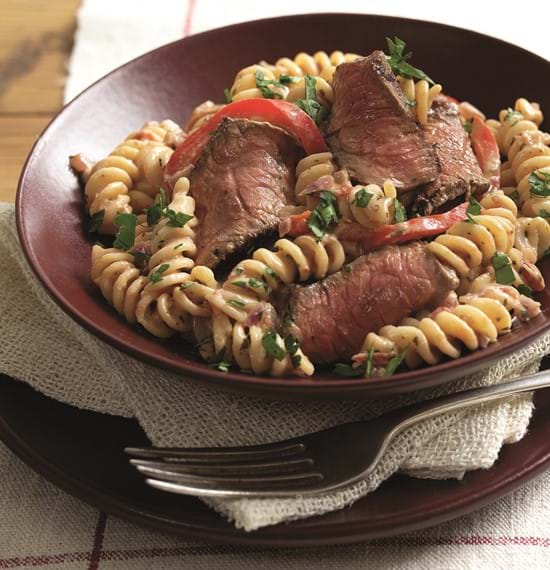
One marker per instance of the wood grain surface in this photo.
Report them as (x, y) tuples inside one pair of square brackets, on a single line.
[(35, 42)]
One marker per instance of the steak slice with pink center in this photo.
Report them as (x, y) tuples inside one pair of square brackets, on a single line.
[(331, 317)]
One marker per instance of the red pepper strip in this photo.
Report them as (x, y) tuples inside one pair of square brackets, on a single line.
[(413, 229), (486, 149), (280, 113), (295, 225)]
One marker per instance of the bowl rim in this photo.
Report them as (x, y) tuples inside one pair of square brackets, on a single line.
[(294, 387)]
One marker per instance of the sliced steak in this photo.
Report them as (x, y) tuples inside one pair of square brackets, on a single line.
[(244, 176), (460, 172), (332, 317), (371, 130)]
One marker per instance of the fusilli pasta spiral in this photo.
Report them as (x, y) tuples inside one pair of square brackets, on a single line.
[(253, 280), (420, 95), (370, 205), (477, 320), (243, 344), (120, 281), (528, 152)]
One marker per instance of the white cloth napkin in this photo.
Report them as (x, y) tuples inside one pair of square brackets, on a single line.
[(73, 366)]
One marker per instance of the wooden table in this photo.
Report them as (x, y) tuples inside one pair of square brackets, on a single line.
[(36, 38)]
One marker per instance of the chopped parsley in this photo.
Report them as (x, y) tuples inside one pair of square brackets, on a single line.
[(186, 285), (400, 212), (239, 283), (394, 363), (544, 214), (474, 209), (178, 246), (227, 95), (514, 196), (398, 61), (156, 276), (309, 104), (268, 272), (504, 273), (467, 125), (323, 215), (177, 219), (410, 103), (126, 235), (236, 303), (96, 221), (271, 347), (154, 213), (369, 363), (362, 198), (222, 366), (292, 345), (256, 283), (511, 113), (264, 86), (540, 183), (286, 79), (525, 290), (160, 208)]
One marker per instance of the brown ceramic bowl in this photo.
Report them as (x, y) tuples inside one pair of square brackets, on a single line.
[(169, 82)]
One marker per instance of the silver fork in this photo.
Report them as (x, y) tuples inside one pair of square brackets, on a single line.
[(317, 463)]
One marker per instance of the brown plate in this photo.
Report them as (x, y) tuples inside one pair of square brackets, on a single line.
[(169, 82), (81, 452)]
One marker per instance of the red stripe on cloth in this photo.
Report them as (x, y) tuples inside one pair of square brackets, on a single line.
[(191, 5), (44, 560), (99, 536), (213, 549)]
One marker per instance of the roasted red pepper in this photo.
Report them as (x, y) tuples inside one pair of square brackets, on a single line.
[(413, 229), (279, 113), (487, 152)]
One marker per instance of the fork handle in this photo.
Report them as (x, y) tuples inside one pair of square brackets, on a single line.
[(407, 417)]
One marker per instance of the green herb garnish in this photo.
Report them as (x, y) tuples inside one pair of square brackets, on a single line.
[(525, 290), (292, 345), (271, 347), (514, 196), (96, 221), (474, 209), (400, 212), (398, 61), (511, 113), (369, 363), (286, 79), (467, 125), (154, 213), (540, 183), (323, 215), (309, 104), (544, 214), (126, 235), (236, 303), (177, 219), (394, 363), (362, 198), (156, 276), (222, 366), (186, 285), (227, 95), (264, 86), (256, 283), (504, 273)]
